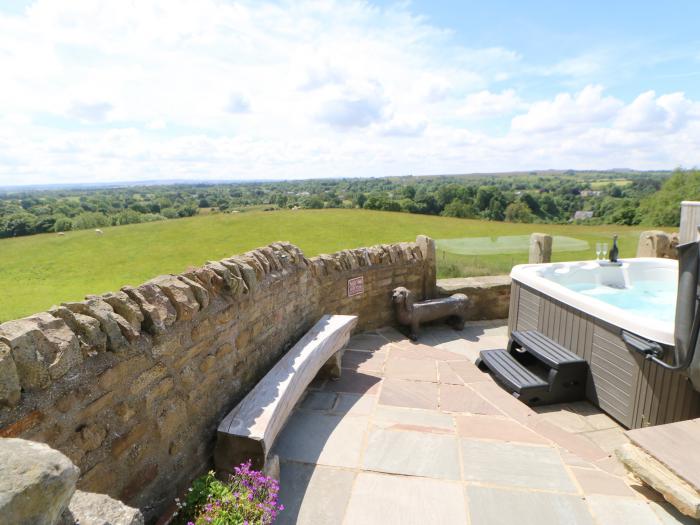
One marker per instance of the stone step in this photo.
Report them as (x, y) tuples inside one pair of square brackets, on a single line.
[(655, 474)]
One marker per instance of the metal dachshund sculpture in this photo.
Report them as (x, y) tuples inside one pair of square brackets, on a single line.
[(413, 313)]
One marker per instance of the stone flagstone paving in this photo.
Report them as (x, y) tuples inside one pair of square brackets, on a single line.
[(415, 433)]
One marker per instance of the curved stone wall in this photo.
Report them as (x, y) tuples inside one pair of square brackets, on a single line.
[(131, 385)]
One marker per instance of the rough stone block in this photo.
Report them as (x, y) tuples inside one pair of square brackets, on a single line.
[(91, 337), (238, 284), (88, 508), (180, 294), (248, 273), (99, 405), (22, 425), (42, 347), (125, 306), (674, 489), (159, 313), (36, 482), (147, 378), (9, 380), (123, 372), (122, 444), (200, 292), (92, 436), (213, 277), (115, 327)]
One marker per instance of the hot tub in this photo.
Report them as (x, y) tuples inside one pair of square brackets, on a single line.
[(585, 306)]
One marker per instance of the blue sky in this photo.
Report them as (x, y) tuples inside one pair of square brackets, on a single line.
[(213, 89)]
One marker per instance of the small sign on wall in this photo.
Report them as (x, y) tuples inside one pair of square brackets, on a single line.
[(356, 286)]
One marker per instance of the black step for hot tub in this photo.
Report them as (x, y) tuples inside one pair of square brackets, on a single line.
[(521, 382), (544, 349)]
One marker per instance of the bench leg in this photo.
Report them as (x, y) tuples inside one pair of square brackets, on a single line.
[(272, 467), (332, 368)]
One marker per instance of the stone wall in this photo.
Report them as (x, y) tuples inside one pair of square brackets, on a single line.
[(489, 296), (131, 385)]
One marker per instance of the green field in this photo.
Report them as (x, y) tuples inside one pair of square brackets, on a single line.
[(41, 270)]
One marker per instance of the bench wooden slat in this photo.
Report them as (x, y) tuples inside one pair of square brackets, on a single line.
[(250, 429)]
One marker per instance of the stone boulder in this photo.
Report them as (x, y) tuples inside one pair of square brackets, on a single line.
[(88, 508), (43, 349), (36, 482)]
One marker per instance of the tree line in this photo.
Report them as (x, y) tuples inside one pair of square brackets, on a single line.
[(650, 198)]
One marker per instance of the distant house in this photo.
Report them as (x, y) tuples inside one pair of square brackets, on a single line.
[(583, 215), (591, 193)]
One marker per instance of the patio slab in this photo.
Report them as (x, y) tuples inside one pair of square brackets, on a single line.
[(323, 439), (380, 499), (411, 369), (412, 454), (462, 399), (515, 465), (415, 433), (497, 428), (494, 506), (609, 510), (312, 494), (410, 394), (594, 481), (431, 421)]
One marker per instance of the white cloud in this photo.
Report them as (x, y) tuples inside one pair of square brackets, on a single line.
[(133, 90), (90, 111), (587, 107), (406, 127), (238, 103), (649, 113), (487, 104)]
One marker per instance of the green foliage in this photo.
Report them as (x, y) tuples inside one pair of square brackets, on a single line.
[(90, 219), (248, 497), (552, 197), (62, 224), (459, 209), (40, 270), (662, 208), (518, 212), (17, 224)]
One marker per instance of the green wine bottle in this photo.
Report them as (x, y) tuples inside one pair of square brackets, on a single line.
[(614, 251)]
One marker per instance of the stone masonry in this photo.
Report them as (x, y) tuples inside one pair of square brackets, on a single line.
[(131, 385)]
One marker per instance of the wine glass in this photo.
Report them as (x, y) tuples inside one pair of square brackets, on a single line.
[(605, 250), (598, 251)]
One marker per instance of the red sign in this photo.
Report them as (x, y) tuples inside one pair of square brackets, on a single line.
[(356, 286)]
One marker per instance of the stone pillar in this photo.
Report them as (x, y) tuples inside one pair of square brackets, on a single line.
[(540, 248), (427, 247), (654, 243), (690, 220)]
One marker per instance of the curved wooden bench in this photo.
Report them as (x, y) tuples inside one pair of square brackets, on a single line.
[(250, 429)]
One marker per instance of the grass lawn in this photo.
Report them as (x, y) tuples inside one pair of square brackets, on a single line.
[(41, 270)]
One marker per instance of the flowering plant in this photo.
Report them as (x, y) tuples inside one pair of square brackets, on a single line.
[(248, 498)]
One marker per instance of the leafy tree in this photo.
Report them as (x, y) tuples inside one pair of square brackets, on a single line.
[(457, 208), (17, 224), (663, 207), (312, 202), (62, 224), (518, 212), (90, 219)]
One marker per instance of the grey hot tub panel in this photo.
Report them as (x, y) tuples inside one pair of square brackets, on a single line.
[(634, 391)]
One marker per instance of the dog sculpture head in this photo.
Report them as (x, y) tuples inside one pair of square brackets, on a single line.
[(402, 297)]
